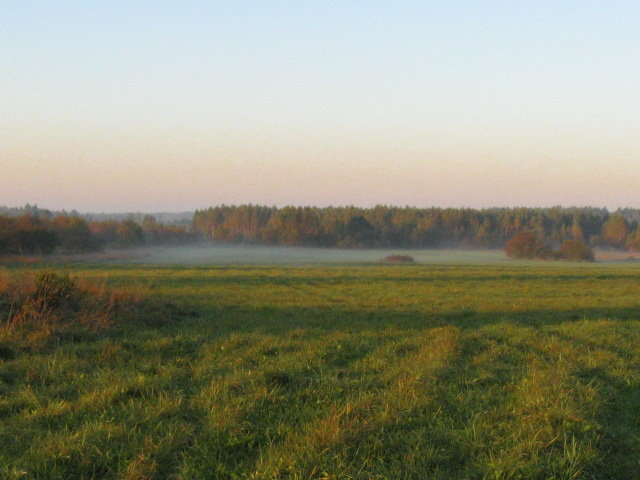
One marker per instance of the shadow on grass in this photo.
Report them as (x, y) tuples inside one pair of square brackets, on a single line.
[(330, 278), (281, 319), (619, 417)]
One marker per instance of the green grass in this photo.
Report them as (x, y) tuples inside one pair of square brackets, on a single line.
[(341, 372)]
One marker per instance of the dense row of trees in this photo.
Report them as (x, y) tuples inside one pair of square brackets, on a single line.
[(384, 226), (40, 233), (33, 230)]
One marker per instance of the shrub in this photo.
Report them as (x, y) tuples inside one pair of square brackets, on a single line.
[(52, 302), (576, 250), (399, 258), (49, 306), (527, 245), (35, 310), (55, 291)]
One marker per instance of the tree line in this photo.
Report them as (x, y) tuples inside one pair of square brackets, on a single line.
[(29, 230), (39, 232), (409, 227)]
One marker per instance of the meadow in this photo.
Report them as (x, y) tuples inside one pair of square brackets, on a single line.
[(343, 371)]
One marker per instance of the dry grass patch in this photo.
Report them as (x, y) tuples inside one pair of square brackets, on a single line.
[(37, 310)]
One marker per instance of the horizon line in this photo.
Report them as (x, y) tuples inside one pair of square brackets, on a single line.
[(369, 207)]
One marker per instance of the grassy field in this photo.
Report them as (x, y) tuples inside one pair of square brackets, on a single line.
[(338, 372)]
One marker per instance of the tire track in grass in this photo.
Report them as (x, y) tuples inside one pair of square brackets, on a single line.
[(143, 430), (347, 440), (609, 366), (462, 420), (274, 390), (612, 363), (554, 432), (116, 426), (546, 439)]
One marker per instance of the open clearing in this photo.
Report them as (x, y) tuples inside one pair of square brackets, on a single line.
[(340, 372)]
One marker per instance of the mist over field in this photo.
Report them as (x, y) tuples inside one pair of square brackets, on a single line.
[(217, 255), (257, 255)]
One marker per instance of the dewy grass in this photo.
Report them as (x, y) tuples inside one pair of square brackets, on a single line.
[(338, 372)]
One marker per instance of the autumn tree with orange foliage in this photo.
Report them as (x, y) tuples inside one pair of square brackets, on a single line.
[(527, 245)]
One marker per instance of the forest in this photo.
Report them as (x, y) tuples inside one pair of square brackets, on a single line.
[(409, 227), (32, 230)]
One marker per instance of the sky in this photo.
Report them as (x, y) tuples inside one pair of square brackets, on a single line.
[(178, 105)]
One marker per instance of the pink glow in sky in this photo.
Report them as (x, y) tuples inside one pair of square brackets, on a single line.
[(161, 108)]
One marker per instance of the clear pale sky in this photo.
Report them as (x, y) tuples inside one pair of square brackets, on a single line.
[(176, 105)]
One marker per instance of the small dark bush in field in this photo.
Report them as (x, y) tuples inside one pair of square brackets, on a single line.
[(576, 250), (399, 258)]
